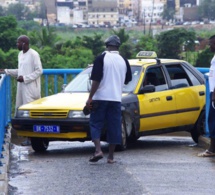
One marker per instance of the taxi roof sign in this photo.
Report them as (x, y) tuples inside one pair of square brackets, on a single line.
[(147, 54)]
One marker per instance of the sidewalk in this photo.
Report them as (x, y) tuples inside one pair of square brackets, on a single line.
[(4, 163)]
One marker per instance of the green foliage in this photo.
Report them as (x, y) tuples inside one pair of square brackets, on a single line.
[(126, 50), (122, 35), (9, 32), (43, 37), (2, 11), (8, 59), (204, 58), (94, 43), (29, 25), (18, 10), (2, 59), (11, 59), (171, 43), (146, 43), (206, 9)]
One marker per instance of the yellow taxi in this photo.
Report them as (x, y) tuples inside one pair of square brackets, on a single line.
[(165, 95)]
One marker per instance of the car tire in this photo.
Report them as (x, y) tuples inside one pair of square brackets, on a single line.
[(123, 145), (39, 144), (199, 128)]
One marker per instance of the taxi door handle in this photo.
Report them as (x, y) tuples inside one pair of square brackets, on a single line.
[(168, 98), (201, 93)]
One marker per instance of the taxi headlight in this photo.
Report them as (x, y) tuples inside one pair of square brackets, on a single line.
[(23, 113), (77, 114)]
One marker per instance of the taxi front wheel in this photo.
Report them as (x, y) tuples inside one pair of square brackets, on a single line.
[(39, 144), (123, 145)]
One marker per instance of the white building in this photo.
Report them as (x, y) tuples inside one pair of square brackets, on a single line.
[(63, 14), (151, 12), (6, 3)]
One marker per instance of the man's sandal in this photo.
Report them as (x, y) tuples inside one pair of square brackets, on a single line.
[(206, 153)]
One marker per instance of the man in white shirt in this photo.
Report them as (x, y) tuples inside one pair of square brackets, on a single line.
[(27, 75), (110, 72), (211, 116)]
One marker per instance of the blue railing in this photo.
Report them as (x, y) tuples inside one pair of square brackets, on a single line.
[(5, 93), (5, 107)]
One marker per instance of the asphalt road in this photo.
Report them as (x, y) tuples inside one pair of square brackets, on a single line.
[(155, 165)]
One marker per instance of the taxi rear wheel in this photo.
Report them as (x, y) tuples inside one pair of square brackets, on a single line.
[(123, 145), (199, 128), (39, 144)]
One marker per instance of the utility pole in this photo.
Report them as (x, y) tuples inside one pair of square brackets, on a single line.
[(150, 25), (144, 22)]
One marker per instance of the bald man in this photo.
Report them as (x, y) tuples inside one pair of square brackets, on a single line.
[(28, 73)]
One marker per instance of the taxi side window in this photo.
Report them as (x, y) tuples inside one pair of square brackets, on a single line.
[(155, 76), (178, 76)]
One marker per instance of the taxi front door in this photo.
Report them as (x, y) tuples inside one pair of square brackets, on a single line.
[(157, 110)]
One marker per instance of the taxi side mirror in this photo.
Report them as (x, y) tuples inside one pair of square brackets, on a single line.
[(63, 87), (147, 89)]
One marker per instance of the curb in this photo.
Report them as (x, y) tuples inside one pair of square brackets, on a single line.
[(4, 163)]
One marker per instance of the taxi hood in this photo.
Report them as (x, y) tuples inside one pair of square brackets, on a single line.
[(70, 101)]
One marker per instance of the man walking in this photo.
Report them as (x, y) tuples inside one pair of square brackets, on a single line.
[(211, 116), (110, 72), (27, 75)]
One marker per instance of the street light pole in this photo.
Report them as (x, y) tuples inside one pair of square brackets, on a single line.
[(144, 22)]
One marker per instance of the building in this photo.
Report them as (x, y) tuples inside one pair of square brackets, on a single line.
[(151, 11), (125, 6), (103, 12)]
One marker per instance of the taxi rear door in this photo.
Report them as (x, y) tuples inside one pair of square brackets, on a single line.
[(189, 94)]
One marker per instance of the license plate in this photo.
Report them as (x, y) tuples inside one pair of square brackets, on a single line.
[(46, 128)]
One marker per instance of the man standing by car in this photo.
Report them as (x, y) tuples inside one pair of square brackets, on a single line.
[(110, 72), (27, 75), (211, 116)]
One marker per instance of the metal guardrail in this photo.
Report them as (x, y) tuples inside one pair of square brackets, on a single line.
[(5, 93), (5, 108)]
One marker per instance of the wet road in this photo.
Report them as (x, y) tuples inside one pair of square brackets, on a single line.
[(153, 166)]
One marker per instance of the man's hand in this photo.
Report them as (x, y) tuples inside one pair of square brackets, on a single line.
[(2, 71), (20, 79), (89, 103)]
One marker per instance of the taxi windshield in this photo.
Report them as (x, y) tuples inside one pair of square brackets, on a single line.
[(82, 82)]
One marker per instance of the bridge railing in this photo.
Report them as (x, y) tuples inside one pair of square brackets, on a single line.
[(5, 110), (52, 80)]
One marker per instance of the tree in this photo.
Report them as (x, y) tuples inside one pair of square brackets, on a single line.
[(2, 11), (168, 13), (94, 43), (171, 43), (9, 32), (206, 9), (43, 37), (146, 43), (18, 10), (126, 50), (122, 35), (204, 58)]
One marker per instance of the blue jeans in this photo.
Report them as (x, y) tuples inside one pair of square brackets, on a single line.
[(106, 112)]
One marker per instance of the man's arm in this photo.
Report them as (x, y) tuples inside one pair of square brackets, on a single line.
[(128, 76), (2, 71), (95, 86)]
